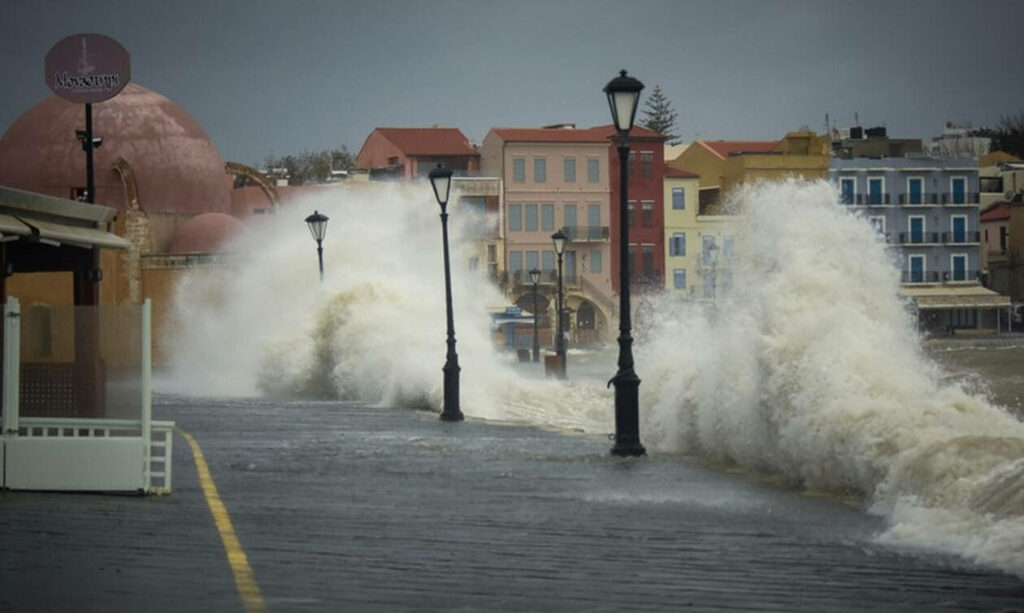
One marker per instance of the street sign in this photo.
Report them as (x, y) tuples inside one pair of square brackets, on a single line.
[(87, 68)]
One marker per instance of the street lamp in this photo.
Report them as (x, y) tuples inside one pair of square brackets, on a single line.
[(560, 239), (535, 279), (318, 228), (623, 95), (441, 181)]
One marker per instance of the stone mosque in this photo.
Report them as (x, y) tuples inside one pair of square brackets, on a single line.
[(173, 193)]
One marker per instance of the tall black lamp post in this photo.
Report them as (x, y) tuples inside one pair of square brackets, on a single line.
[(318, 228), (441, 180), (535, 279), (623, 95), (560, 239)]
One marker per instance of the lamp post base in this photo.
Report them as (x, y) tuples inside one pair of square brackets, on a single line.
[(451, 411), (627, 421)]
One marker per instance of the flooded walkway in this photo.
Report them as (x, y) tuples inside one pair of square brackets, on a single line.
[(347, 508)]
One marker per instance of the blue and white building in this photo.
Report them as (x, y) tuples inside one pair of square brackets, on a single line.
[(927, 210)]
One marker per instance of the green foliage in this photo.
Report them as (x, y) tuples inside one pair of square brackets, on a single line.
[(1009, 134), (659, 117), (311, 166)]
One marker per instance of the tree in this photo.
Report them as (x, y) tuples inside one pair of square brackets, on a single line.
[(311, 166), (659, 117), (1009, 134)]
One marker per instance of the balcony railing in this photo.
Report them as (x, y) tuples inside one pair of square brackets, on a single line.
[(582, 234), (918, 199), (961, 198), (929, 276), (919, 238), (872, 199), (933, 276), (961, 238)]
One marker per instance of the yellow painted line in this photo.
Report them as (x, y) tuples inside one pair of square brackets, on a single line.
[(244, 581)]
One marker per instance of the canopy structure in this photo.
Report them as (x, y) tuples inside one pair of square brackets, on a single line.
[(945, 297), (56, 221)]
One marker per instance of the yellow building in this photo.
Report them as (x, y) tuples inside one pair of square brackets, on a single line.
[(722, 165), (698, 248)]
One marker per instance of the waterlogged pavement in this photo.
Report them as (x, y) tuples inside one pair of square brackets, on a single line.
[(336, 507)]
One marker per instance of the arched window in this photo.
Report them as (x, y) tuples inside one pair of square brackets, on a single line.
[(585, 318)]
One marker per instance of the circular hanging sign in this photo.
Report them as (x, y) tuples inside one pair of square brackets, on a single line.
[(87, 68)]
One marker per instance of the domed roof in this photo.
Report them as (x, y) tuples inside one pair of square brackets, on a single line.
[(176, 166), (206, 233)]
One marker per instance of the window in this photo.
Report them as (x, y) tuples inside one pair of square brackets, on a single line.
[(647, 213), (679, 198), (570, 170), (647, 252), (679, 278), (728, 246), (530, 223), (515, 261), (876, 190), (593, 170), (958, 187), (709, 250), (547, 217), (570, 219), (594, 221), (595, 260), (631, 211), (532, 260), (518, 170), (958, 227), (915, 190), (631, 164), (515, 217), (915, 268), (708, 290), (540, 170), (647, 164), (915, 225), (958, 266), (631, 259), (547, 262), (878, 223), (848, 190), (677, 244)]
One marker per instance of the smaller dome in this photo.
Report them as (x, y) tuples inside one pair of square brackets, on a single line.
[(206, 233)]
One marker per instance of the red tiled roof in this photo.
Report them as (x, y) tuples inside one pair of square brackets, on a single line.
[(428, 141), (999, 212), (637, 132), (679, 173), (725, 148), (549, 135)]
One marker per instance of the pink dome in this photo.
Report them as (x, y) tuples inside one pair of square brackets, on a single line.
[(206, 233), (176, 165)]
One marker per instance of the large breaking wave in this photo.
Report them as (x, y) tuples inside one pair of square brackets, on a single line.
[(811, 370)]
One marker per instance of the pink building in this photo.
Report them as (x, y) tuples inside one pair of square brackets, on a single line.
[(409, 153), (556, 178)]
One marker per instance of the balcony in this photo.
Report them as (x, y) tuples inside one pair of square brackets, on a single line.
[(919, 238), (961, 238), (583, 234), (873, 199), (960, 199), (920, 276), (910, 199), (933, 276)]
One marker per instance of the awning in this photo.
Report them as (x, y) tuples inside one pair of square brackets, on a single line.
[(952, 297), (61, 234)]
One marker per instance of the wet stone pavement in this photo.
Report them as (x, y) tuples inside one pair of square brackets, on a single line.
[(348, 508)]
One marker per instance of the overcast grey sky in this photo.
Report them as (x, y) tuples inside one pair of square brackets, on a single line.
[(281, 76)]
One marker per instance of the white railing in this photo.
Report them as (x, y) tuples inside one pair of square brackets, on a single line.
[(158, 460)]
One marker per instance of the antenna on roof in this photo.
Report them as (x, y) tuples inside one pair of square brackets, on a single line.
[(826, 123)]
